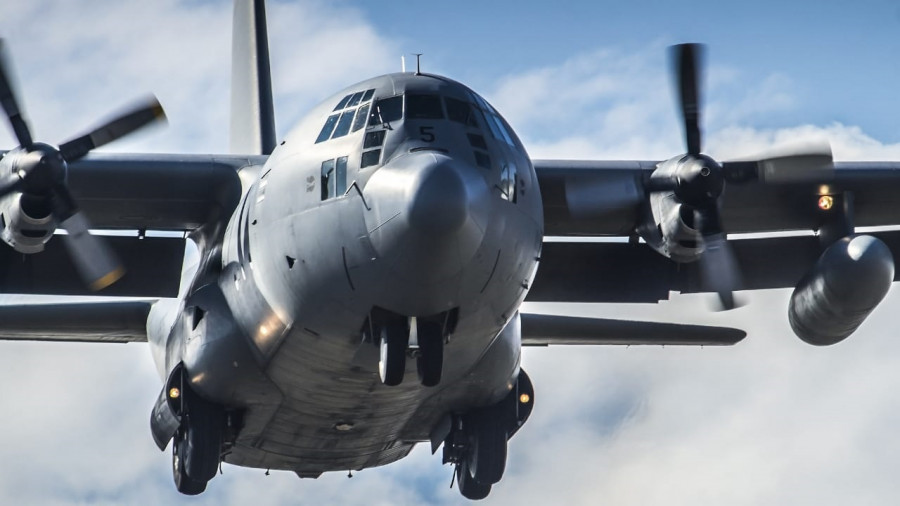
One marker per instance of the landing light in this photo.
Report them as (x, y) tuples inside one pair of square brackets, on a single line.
[(524, 398), (174, 393), (826, 202)]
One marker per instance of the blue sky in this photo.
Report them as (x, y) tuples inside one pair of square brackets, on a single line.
[(771, 421)]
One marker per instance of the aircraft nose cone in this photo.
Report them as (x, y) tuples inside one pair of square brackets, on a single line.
[(428, 215), (439, 200)]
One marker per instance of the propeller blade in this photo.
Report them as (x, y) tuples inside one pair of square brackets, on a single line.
[(137, 117), (719, 271), (8, 99), (95, 261), (687, 61)]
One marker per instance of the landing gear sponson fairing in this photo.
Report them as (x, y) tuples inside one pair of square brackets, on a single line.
[(359, 284)]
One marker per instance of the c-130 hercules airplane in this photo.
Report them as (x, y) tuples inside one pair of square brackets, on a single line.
[(359, 283)]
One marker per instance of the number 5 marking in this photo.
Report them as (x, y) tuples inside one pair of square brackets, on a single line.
[(426, 133)]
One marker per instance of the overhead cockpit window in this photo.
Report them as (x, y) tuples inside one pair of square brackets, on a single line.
[(325, 134), (354, 100), (339, 125), (424, 107), (343, 103), (386, 110), (460, 112)]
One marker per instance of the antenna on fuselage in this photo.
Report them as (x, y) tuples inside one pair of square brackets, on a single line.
[(418, 63)]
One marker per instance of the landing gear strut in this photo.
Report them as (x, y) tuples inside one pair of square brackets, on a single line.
[(196, 447), (477, 440)]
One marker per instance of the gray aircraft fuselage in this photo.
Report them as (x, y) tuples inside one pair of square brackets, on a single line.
[(412, 196)]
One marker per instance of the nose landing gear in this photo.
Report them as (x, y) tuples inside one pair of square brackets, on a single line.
[(391, 333)]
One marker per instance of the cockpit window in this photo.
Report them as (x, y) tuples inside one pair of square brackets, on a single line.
[(354, 100), (361, 117), (343, 125), (386, 110), (495, 124), (342, 103), (424, 107), (325, 134), (339, 125), (460, 112)]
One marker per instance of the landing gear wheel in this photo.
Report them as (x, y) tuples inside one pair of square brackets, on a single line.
[(430, 362), (203, 428), (469, 487), (394, 340), (184, 483), (486, 458)]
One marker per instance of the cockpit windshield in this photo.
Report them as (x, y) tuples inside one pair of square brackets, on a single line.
[(424, 107), (386, 110)]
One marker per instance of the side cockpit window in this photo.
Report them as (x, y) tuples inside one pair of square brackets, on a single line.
[(334, 178), (386, 110), (356, 105)]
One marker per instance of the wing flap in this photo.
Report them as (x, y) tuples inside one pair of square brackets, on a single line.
[(152, 269), (101, 322), (546, 330), (611, 272)]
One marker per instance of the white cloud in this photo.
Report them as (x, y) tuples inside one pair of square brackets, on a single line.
[(771, 420)]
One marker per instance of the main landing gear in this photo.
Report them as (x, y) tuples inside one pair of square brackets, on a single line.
[(391, 332), (477, 442), (197, 445)]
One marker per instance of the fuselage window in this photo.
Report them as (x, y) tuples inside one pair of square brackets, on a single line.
[(508, 179), (460, 112), (327, 179), (334, 178), (361, 117), (386, 111), (424, 107), (325, 134), (340, 175), (343, 125)]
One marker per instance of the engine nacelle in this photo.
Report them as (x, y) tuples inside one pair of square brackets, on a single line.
[(21, 225), (847, 282)]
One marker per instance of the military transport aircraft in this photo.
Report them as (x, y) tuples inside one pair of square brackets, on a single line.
[(360, 282)]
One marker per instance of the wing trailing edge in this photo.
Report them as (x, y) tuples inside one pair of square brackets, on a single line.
[(111, 321), (545, 330)]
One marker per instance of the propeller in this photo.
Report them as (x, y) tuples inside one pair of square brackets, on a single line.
[(40, 171), (698, 181)]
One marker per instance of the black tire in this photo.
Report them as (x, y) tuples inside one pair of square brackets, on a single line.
[(487, 449), (469, 487), (203, 431), (183, 483), (430, 362), (393, 341)]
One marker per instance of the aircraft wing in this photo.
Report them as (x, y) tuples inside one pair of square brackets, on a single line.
[(546, 330), (749, 207), (134, 192), (111, 321), (631, 272)]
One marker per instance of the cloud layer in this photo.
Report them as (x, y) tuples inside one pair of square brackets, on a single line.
[(770, 421)]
